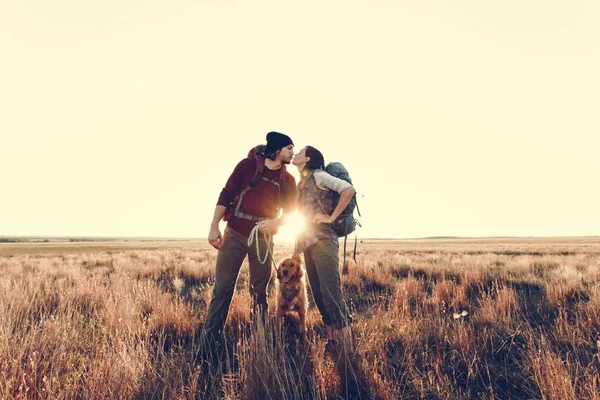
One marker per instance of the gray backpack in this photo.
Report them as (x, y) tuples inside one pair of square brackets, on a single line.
[(345, 223)]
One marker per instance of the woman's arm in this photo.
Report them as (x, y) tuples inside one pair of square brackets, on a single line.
[(345, 197), (326, 181)]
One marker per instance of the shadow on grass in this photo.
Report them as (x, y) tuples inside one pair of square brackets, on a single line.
[(404, 271), (501, 374), (534, 304)]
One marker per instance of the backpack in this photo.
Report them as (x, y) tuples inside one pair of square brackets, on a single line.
[(258, 154), (345, 223)]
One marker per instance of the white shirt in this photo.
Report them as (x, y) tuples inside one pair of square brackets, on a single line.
[(328, 182)]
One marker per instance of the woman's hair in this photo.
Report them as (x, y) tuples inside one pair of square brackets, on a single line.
[(316, 159)]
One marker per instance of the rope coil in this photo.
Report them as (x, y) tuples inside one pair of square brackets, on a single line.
[(254, 238)]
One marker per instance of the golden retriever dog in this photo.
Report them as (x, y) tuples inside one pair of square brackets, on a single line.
[(291, 291)]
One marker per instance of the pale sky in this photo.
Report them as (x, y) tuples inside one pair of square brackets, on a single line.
[(463, 118)]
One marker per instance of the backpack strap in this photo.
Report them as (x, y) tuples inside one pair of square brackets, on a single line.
[(344, 263), (236, 211), (260, 170), (258, 176), (354, 255), (249, 216), (283, 192), (282, 175), (272, 182)]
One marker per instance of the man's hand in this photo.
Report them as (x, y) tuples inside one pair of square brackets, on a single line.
[(322, 219), (268, 226), (214, 237)]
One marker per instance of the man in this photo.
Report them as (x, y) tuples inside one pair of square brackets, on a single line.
[(244, 206)]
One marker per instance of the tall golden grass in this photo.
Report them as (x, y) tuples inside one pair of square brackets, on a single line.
[(432, 319)]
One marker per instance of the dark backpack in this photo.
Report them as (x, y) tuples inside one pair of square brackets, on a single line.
[(345, 223), (233, 210)]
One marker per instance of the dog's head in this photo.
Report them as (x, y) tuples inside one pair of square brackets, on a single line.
[(289, 271)]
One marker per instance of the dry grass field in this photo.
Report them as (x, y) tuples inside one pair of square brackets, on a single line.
[(447, 319)]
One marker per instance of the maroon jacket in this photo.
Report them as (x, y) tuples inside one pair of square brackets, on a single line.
[(261, 200)]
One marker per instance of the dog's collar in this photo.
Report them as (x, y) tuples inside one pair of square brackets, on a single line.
[(289, 293)]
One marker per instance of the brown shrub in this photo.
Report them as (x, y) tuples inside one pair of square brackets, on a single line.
[(126, 325)]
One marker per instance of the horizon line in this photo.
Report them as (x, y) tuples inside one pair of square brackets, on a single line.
[(439, 237)]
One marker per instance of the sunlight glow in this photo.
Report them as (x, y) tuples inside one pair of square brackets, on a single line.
[(293, 226)]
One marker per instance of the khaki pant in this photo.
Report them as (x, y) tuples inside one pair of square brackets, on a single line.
[(323, 269), (229, 261)]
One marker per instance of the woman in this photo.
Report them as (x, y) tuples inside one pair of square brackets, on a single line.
[(319, 243)]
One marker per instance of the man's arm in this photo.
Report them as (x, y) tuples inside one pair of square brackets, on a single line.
[(228, 193), (214, 236), (234, 184)]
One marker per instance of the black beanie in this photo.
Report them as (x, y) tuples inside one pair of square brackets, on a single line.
[(276, 141)]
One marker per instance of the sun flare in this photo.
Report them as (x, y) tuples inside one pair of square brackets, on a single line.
[(293, 226)]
